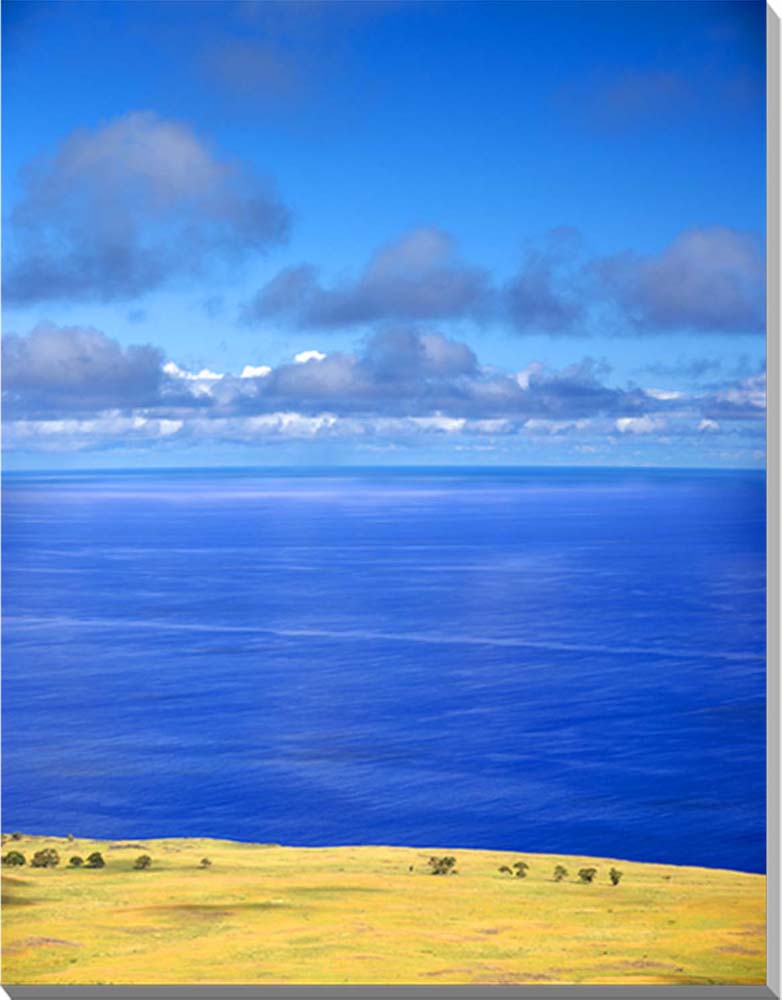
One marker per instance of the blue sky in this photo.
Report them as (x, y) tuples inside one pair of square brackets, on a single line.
[(513, 233)]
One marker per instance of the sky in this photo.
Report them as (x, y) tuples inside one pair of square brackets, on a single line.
[(383, 233)]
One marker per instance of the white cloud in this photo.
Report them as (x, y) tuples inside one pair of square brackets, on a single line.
[(205, 375), (527, 373), (73, 434), (299, 425), (500, 426), (639, 425), (400, 386), (748, 392), (663, 394), (255, 371), (304, 356), (168, 427), (439, 423)]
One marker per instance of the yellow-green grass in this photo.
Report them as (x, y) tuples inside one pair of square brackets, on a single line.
[(269, 914)]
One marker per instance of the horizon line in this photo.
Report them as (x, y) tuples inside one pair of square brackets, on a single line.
[(335, 469)]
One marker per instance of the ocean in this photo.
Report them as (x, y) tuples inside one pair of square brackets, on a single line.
[(558, 660)]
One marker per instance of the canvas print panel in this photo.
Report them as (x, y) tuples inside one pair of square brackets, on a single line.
[(384, 493)]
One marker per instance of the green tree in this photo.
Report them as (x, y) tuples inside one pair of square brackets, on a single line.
[(142, 861), (560, 872), (504, 870), (615, 875), (521, 868), (76, 861), (14, 859), (587, 874), (442, 866), (46, 858), (206, 863), (95, 860)]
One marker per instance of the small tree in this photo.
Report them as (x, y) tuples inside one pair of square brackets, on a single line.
[(587, 874), (442, 866), (521, 869), (206, 863), (46, 858), (560, 872), (14, 859), (76, 861), (142, 861), (16, 836), (95, 860), (504, 870), (615, 875)]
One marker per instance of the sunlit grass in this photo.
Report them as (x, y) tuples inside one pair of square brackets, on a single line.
[(269, 914)]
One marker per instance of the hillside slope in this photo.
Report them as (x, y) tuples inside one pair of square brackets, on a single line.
[(269, 914)]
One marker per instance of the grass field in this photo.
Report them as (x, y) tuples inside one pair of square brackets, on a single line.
[(269, 914)]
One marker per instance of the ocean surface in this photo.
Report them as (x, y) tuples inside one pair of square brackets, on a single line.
[(531, 660)]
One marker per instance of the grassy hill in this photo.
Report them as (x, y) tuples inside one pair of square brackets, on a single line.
[(269, 914)]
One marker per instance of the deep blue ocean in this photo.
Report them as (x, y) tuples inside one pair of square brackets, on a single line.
[(533, 660)]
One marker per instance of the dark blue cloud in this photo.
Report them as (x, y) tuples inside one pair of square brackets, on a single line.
[(708, 280), (80, 388), (56, 370), (121, 210), (415, 278)]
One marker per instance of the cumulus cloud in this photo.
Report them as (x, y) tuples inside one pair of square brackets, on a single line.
[(663, 393), (417, 277), (79, 386), (120, 210), (541, 296), (111, 428), (77, 368), (304, 356), (531, 371), (707, 280), (397, 371), (198, 384), (403, 371), (255, 371), (172, 368), (745, 398), (639, 425), (404, 353)]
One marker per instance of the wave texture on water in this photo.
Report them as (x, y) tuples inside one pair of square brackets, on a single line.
[(546, 660)]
